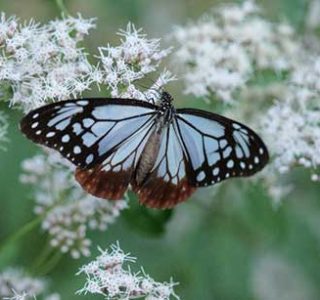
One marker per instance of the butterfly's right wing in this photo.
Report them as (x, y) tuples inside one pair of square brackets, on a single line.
[(102, 137), (218, 148)]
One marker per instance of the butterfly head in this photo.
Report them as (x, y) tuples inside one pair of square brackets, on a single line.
[(166, 97)]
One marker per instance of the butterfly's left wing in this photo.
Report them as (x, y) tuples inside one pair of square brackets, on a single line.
[(218, 148), (103, 137)]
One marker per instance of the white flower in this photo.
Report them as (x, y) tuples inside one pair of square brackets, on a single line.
[(16, 285), (68, 212), (108, 276), (305, 76), (295, 121), (44, 63), (220, 53), (122, 66)]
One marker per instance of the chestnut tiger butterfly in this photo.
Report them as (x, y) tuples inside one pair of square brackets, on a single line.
[(162, 152)]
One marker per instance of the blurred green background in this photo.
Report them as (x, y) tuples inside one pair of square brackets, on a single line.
[(229, 245)]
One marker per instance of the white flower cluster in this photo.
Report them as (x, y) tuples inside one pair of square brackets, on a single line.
[(68, 212), (220, 53), (41, 63), (305, 77), (16, 285), (295, 122), (107, 276), (123, 65)]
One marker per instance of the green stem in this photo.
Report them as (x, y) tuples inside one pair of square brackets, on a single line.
[(43, 257), (51, 263), (20, 233), (62, 7)]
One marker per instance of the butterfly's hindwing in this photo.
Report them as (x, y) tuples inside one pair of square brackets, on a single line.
[(218, 148), (167, 183), (111, 178), (87, 131)]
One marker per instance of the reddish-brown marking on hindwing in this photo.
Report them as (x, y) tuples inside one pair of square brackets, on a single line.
[(156, 193), (104, 184)]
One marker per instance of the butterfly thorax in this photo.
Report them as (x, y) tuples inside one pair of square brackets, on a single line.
[(166, 110)]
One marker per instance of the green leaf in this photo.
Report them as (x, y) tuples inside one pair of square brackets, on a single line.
[(146, 220)]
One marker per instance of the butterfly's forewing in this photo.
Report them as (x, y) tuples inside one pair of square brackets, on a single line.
[(100, 136), (218, 148), (86, 131), (167, 183)]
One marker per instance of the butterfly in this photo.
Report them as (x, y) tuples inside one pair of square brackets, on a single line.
[(164, 153)]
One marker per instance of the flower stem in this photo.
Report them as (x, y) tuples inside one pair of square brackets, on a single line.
[(62, 7), (50, 264), (28, 227), (42, 257)]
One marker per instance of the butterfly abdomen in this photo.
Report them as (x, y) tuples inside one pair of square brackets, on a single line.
[(148, 157)]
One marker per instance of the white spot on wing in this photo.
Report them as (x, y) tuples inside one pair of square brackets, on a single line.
[(50, 134), (215, 171), (76, 150), (201, 176), (89, 158), (236, 126), (230, 164), (65, 138)]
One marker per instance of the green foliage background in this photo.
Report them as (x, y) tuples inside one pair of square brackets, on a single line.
[(212, 244)]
